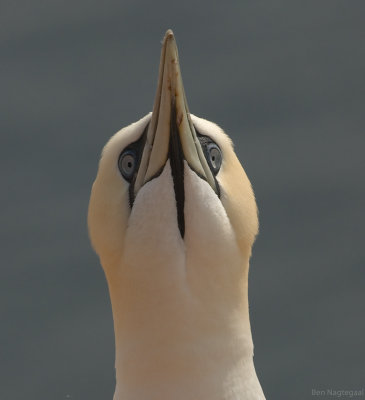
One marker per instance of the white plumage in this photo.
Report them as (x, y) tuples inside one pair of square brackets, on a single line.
[(174, 236)]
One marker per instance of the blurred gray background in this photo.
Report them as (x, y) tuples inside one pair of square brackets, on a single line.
[(285, 79)]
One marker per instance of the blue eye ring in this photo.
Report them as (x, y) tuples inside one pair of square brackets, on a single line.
[(127, 164), (214, 157)]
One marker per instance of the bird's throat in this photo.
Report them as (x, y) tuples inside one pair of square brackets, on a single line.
[(180, 306), (172, 345)]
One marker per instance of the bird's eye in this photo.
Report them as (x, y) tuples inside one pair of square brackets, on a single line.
[(214, 157), (127, 164)]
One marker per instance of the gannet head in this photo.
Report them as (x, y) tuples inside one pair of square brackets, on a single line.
[(173, 217), (169, 177)]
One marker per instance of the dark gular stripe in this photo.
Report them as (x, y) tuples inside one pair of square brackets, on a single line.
[(176, 157)]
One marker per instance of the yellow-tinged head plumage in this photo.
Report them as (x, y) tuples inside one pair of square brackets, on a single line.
[(138, 154), (173, 217)]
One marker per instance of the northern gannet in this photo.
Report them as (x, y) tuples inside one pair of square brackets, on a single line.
[(173, 217)]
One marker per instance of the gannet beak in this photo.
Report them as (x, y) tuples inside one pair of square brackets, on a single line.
[(171, 134)]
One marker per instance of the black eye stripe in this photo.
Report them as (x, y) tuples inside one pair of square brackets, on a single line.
[(208, 145), (135, 148), (205, 142)]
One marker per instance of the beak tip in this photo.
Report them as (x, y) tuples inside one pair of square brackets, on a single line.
[(169, 34), (169, 39)]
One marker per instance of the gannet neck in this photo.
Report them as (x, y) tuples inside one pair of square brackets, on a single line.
[(173, 218), (170, 345), (181, 318)]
